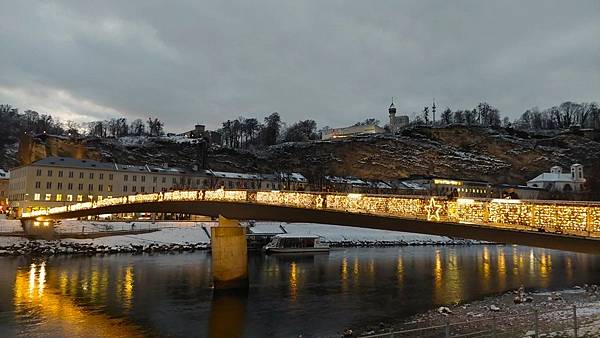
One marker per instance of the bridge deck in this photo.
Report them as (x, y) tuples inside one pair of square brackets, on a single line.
[(509, 221)]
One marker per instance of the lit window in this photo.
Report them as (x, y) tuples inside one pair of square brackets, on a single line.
[(70, 198), (58, 197), (99, 198), (48, 197), (36, 197), (90, 197), (79, 198), (109, 188)]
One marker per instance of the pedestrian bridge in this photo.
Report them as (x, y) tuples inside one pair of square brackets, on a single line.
[(564, 225)]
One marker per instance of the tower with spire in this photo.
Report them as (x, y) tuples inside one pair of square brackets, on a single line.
[(396, 122)]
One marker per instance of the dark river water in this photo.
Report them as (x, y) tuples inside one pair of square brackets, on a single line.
[(317, 296)]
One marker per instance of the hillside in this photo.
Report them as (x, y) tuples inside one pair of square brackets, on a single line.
[(498, 156)]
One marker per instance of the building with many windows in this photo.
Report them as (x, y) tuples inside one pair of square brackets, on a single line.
[(57, 181)]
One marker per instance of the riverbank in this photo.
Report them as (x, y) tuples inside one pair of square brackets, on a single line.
[(189, 236), (512, 313)]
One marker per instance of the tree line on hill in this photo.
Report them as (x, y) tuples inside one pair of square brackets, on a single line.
[(249, 132)]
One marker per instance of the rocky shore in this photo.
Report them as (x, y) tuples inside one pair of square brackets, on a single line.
[(511, 314), (46, 248)]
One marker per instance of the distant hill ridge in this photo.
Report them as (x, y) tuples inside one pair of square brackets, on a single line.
[(495, 155)]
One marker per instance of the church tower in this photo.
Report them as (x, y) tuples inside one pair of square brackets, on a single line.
[(392, 111)]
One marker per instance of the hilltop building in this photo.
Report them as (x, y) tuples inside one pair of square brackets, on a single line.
[(200, 131), (397, 122), (351, 131), (555, 180)]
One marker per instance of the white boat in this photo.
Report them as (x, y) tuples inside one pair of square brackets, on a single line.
[(289, 243)]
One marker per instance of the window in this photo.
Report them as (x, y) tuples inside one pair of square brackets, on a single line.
[(80, 186), (48, 197), (110, 176), (90, 187), (109, 188), (59, 185), (100, 198), (133, 189), (142, 189), (101, 176), (174, 180), (38, 172), (70, 186), (164, 180), (36, 197), (91, 176), (81, 175), (126, 178), (49, 173), (124, 188), (70, 175), (58, 197), (143, 178), (100, 187), (60, 173), (154, 179), (70, 198), (134, 178), (38, 184), (90, 197), (79, 198), (48, 185)]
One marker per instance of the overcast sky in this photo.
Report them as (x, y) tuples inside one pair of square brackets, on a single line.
[(336, 62)]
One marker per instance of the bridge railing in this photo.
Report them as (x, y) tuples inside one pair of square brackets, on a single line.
[(562, 217)]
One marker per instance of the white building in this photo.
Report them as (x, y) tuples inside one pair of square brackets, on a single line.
[(352, 131), (555, 180)]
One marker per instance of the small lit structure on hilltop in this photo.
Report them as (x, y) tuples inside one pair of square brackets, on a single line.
[(555, 180)]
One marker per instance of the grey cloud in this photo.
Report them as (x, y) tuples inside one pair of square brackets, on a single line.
[(335, 61)]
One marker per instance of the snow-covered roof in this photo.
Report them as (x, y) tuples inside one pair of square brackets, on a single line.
[(552, 177), (225, 174), (4, 175), (296, 177)]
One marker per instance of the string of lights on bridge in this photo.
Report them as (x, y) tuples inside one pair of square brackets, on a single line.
[(573, 218)]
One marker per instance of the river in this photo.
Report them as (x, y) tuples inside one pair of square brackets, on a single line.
[(315, 295)]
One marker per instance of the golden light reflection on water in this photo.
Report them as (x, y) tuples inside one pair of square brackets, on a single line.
[(293, 280), (501, 268), (33, 294), (400, 270), (344, 276), (125, 287)]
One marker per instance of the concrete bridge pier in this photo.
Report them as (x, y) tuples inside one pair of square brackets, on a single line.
[(229, 255), (38, 229)]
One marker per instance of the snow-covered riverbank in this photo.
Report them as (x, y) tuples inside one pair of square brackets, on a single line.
[(178, 236)]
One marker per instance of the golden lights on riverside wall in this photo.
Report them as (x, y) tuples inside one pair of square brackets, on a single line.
[(575, 218)]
